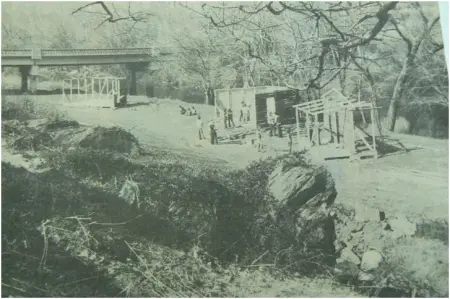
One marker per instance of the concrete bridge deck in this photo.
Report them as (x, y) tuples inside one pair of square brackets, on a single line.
[(67, 57), (29, 61)]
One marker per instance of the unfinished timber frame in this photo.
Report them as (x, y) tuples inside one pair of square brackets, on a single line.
[(95, 91), (334, 113)]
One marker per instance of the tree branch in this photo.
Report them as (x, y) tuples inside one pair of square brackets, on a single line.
[(135, 17)]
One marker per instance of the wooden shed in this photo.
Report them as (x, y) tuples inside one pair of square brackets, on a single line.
[(257, 103)]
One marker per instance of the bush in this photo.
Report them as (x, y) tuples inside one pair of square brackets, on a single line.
[(418, 265), (18, 107)]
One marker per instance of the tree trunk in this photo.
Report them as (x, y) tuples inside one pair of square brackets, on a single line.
[(209, 96), (401, 80), (398, 90)]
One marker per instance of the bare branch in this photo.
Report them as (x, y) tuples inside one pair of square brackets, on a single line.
[(135, 17), (405, 39)]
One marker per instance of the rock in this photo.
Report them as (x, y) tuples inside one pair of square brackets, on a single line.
[(298, 186), (364, 214), (401, 226), (363, 276), (358, 227), (371, 260), (346, 272), (304, 195), (112, 139), (130, 192), (347, 255), (339, 246)]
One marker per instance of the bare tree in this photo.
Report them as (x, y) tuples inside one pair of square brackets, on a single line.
[(413, 47)]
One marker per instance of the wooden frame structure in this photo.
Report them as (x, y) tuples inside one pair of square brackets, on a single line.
[(96, 91), (255, 99), (335, 114)]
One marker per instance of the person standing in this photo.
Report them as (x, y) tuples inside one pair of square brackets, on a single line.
[(271, 124), (279, 131), (230, 118), (241, 116), (212, 133), (247, 113), (201, 135), (259, 139), (289, 135), (225, 117)]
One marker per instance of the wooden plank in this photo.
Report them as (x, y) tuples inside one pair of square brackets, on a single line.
[(337, 128), (369, 147), (372, 118), (298, 128)]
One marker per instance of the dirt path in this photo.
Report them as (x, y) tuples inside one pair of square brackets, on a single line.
[(414, 183)]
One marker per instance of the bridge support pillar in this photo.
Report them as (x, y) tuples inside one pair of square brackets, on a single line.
[(133, 83), (134, 68), (34, 73), (24, 72)]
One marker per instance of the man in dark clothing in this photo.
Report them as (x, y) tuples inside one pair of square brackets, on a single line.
[(289, 140), (212, 133), (279, 131), (271, 124), (230, 118), (225, 118)]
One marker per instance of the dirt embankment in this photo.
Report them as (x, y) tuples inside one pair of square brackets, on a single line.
[(72, 212), (206, 228)]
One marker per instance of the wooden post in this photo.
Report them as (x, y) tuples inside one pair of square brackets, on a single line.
[(215, 105), (338, 138), (78, 88), (63, 92), (308, 128), (107, 88), (298, 128), (118, 89), (71, 89), (316, 128), (352, 126), (359, 102), (92, 88), (85, 89), (373, 133)]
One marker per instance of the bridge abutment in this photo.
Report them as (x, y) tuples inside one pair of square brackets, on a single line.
[(33, 76), (134, 68), (24, 72)]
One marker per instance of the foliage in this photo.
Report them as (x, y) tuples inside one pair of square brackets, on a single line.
[(415, 265), (19, 108)]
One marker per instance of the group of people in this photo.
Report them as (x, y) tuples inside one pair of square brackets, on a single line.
[(259, 143), (228, 118), (189, 111), (245, 114), (274, 130), (212, 130), (275, 125)]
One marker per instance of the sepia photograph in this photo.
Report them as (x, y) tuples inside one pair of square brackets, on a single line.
[(232, 149)]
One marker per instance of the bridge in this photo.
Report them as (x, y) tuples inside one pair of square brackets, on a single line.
[(29, 61)]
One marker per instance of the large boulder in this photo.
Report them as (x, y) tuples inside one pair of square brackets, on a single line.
[(304, 194), (112, 139), (371, 260), (301, 187)]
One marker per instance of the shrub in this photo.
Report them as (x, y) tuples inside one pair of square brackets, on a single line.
[(18, 107)]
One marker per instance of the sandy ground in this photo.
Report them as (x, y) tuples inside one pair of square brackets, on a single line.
[(414, 184)]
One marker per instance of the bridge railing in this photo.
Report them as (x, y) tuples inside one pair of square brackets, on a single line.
[(87, 52), (17, 53)]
